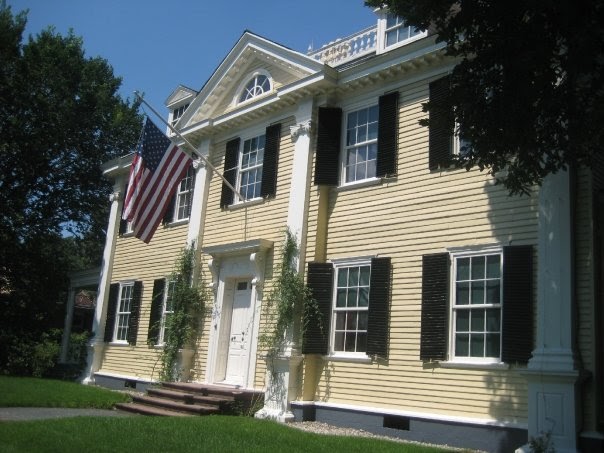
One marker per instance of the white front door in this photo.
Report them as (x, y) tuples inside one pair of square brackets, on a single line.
[(240, 334)]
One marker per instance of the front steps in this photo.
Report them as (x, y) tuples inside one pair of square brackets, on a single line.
[(181, 399)]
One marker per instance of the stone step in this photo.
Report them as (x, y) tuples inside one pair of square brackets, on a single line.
[(188, 397), (193, 409), (143, 409)]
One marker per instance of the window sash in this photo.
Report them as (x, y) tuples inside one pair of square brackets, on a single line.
[(476, 307), (178, 112), (251, 159), (350, 310), (397, 31), (184, 195), (360, 151), (257, 86), (124, 306), (167, 310)]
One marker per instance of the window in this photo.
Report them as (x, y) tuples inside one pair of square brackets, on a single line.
[(444, 140), (399, 32), (184, 195), (123, 313), (477, 305), (259, 84), (350, 311), (177, 113), (123, 309), (370, 143), (167, 311), (251, 166), (360, 154), (353, 298), (251, 158)]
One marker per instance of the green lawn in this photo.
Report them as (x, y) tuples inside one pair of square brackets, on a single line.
[(186, 434), (154, 434), (33, 392)]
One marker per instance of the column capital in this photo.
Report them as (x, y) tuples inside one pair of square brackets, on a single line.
[(299, 129)]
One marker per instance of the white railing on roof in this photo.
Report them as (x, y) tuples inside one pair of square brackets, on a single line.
[(345, 49)]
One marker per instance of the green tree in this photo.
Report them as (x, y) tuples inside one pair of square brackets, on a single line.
[(61, 116), (528, 89)]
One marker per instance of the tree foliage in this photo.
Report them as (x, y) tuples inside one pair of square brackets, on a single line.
[(528, 88), (61, 116)]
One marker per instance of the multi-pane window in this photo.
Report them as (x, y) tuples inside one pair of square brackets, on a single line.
[(360, 154), (167, 311), (350, 309), (184, 195), (124, 307), (259, 84), (250, 167), (477, 306), (398, 31), (178, 112)]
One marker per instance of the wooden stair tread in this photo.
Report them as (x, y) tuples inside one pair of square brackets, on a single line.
[(143, 409), (176, 405)]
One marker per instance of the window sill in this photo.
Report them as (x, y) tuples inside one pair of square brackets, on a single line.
[(359, 184), (348, 358), (245, 204), (177, 222), (475, 365), (119, 343)]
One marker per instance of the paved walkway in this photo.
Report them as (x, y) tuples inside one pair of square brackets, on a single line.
[(39, 413)]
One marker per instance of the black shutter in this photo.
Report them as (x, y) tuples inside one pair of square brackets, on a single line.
[(271, 158), (435, 306), (517, 322), (114, 294), (328, 146), (230, 171), (123, 223), (135, 306), (169, 214), (157, 304), (379, 307), (317, 325), (387, 135), (442, 124)]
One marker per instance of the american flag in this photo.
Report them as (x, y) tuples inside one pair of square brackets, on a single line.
[(157, 168)]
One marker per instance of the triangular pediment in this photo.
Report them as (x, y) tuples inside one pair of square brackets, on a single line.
[(250, 56), (181, 95)]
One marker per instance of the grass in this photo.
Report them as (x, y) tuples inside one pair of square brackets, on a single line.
[(33, 392), (190, 434)]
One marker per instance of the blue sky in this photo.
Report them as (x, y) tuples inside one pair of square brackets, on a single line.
[(155, 45)]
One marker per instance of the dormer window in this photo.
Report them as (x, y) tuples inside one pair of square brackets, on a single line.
[(397, 31), (256, 86), (177, 113)]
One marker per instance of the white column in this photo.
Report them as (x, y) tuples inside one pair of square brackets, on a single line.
[(200, 196), (284, 370), (96, 345), (552, 373)]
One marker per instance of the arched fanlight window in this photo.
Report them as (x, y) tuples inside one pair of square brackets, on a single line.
[(259, 84)]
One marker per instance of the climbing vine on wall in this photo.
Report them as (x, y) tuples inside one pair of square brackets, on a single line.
[(188, 297), (284, 303)]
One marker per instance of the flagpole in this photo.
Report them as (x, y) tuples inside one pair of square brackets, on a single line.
[(193, 149)]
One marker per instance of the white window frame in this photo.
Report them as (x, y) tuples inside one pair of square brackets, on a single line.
[(397, 27), (455, 308), (184, 196), (257, 167), (339, 265), (373, 142), (458, 142), (241, 89), (166, 310), (177, 112), (122, 316)]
